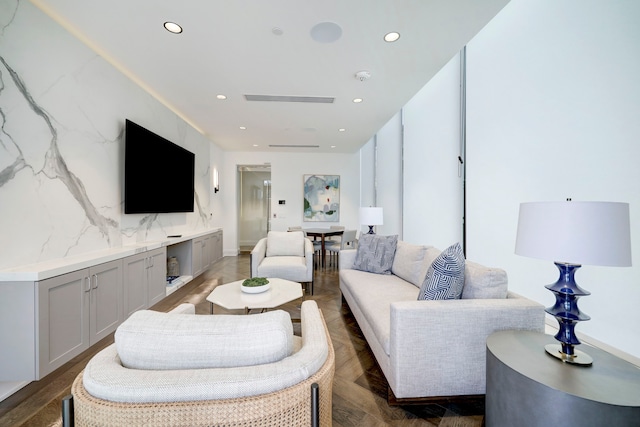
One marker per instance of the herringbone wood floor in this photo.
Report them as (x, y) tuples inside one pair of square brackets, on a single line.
[(359, 389)]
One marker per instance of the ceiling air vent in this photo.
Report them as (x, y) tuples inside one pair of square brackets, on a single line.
[(292, 146), (278, 98)]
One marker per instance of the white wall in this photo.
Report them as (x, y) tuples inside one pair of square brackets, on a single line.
[(62, 146), (432, 201), (553, 112), (287, 170), (389, 176)]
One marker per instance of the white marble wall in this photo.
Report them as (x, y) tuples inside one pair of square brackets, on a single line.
[(62, 114)]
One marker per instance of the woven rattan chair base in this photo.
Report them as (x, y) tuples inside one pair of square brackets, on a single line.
[(287, 407)]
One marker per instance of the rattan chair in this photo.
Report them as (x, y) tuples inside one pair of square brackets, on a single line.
[(303, 404)]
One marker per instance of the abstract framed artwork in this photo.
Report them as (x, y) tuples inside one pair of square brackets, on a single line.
[(321, 198)]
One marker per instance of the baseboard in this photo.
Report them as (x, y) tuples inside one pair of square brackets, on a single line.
[(552, 328), (7, 388), (392, 400)]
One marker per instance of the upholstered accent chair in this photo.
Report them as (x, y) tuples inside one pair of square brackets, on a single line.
[(286, 255)]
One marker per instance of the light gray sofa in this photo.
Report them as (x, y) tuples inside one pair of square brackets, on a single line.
[(432, 349)]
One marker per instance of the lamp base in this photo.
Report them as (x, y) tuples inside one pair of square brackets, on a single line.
[(371, 230), (577, 358)]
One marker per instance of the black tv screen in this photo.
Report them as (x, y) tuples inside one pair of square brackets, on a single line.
[(158, 174)]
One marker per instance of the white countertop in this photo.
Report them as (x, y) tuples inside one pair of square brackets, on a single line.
[(55, 267)]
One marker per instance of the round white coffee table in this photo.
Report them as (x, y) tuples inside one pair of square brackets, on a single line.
[(231, 297)]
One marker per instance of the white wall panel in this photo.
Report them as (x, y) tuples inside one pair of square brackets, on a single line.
[(432, 201), (553, 107)]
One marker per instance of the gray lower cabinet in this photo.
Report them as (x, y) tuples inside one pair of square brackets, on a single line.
[(75, 311), (44, 324), (216, 246), (205, 251), (197, 256), (157, 276), (145, 280)]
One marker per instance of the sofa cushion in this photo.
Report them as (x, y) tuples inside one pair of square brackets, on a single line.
[(163, 341), (374, 295), (482, 282), (445, 277), (285, 243), (375, 253), (408, 262)]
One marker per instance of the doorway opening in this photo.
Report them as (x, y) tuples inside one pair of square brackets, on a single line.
[(254, 205)]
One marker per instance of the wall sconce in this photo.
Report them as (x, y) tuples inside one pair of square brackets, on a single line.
[(216, 182)]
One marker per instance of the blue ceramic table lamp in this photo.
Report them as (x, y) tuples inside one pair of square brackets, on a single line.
[(571, 234)]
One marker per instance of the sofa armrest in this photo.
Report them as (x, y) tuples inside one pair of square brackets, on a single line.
[(347, 258), (258, 253), (438, 348)]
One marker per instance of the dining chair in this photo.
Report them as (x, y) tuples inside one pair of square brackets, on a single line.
[(348, 241)]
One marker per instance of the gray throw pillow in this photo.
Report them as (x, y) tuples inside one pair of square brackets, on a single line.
[(445, 277), (375, 253)]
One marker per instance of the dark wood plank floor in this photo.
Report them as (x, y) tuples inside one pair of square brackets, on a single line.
[(359, 390)]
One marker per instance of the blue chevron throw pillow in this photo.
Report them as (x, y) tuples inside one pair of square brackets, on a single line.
[(445, 276)]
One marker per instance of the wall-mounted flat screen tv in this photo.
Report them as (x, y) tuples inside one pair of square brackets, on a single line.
[(158, 174)]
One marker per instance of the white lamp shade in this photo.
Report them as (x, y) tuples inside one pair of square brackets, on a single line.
[(371, 216), (592, 233)]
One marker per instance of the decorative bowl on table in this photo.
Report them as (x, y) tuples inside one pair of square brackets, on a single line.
[(255, 285)]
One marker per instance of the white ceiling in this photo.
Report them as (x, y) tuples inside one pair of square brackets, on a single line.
[(229, 47)]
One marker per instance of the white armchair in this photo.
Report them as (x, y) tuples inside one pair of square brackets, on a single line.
[(285, 255)]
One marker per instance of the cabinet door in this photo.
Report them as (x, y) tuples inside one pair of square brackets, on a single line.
[(156, 275), (196, 257), (216, 243), (18, 327), (106, 299), (63, 319), (135, 283), (207, 252)]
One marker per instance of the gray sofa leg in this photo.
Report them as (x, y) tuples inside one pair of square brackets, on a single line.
[(67, 411), (315, 405)]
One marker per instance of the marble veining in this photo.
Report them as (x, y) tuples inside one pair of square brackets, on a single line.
[(55, 166), (62, 111)]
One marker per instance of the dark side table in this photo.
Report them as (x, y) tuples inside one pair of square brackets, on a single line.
[(526, 387)]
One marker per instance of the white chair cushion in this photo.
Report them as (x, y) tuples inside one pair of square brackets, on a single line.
[(285, 243), (162, 341), (285, 267)]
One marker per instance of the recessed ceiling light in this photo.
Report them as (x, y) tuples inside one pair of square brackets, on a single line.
[(333, 146), (391, 37), (221, 96), (341, 130), (255, 145), (172, 27), (357, 100), (243, 128)]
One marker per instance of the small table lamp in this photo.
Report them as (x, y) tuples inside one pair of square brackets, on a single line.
[(570, 234), (371, 216)]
